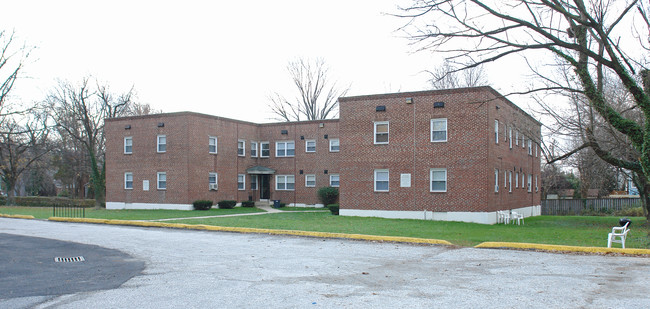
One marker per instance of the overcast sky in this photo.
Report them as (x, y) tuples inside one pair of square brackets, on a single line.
[(217, 57)]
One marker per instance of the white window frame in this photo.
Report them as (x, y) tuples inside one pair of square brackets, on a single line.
[(216, 180), (431, 179), (158, 180), (286, 149), (254, 183), (212, 139), (496, 131), (128, 179), (159, 144), (517, 180), (268, 150), (510, 181), (444, 120), (523, 180), (307, 180), (536, 151), (530, 183), (516, 137), (536, 186), (284, 180), (241, 147), (378, 123), (332, 180), (523, 141), (332, 145), (241, 182), (496, 180), (510, 137), (530, 147), (128, 142), (253, 149), (375, 180), (307, 142)]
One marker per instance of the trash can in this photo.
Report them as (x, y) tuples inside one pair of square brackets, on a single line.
[(623, 221), (276, 203)]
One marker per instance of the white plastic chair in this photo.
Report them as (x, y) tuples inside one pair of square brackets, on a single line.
[(519, 218), (619, 232), (503, 217)]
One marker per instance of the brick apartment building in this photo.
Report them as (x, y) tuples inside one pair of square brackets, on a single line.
[(458, 155)]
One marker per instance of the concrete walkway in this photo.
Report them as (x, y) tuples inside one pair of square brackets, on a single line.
[(266, 208)]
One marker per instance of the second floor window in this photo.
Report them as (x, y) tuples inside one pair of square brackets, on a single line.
[(334, 145), (264, 150), (162, 143), (241, 148), (128, 145), (310, 145), (439, 130), (381, 132), (310, 180), (254, 149), (334, 180), (212, 144), (285, 149)]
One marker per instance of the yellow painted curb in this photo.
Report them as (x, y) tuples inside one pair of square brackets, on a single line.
[(17, 216), (516, 245), (258, 231)]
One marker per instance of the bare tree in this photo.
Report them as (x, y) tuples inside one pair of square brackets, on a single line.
[(12, 59), (21, 145), (317, 96), (79, 112), (591, 39), (448, 77)]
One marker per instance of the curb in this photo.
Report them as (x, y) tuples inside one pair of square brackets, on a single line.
[(561, 248), (258, 231), (17, 216)]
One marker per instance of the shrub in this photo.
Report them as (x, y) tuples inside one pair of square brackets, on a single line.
[(248, 204), (48, 201), (630, 212), (202, 205), (227, 204), (282, 205), (328, 195), (334, 209)]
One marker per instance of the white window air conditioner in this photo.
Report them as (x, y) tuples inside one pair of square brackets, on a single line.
[(213, 186)]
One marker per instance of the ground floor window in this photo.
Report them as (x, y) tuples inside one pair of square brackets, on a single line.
[(310, 180), (212, 180), (438, 178), (241, 182), (162, 181), (285, 182), (128, 180), (334, 180), (253, 182), (381, 180)]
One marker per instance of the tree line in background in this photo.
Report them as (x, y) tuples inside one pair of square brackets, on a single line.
[(57, 145)]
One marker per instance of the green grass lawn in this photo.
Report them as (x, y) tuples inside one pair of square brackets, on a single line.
[(558, 230), (129, 214)]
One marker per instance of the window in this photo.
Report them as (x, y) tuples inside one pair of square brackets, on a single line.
[(510, 136), (523, 182), (162, 181), (253, 182), (496, 131), (496, 180), (310, 145), (381, 180), (128, 145), (285, 149), (536, 187), (381, 132), (212, 181), (254, 149), (128, 180), (530, 147), (264, 150), (285, 182), (517, 180), (241, 181), (439, 130), (523, 141), (212, 144), (334, 145), (241, 148), (334, 180), (162, 143), (505, 179), (510, 181), (516, 138), (536, 151), (438, 180), (530, 183), (310, 180)]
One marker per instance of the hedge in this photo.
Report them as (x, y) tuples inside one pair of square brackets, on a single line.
[(202, 205), (227, 204), (248, 203), (48, 201)]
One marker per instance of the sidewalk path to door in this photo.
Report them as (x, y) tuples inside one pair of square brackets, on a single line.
[(267, 209)]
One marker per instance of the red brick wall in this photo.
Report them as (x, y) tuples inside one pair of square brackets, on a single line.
[(467, 155)]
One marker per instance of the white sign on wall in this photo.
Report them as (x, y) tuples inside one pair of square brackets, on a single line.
[(405, 180), (145, 185)]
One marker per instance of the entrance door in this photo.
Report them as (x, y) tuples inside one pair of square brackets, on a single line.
[(265, 187)]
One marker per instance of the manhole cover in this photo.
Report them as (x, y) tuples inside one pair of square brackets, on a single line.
[(69, 259)]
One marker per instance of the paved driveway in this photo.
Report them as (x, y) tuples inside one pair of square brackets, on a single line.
[(195, 269)]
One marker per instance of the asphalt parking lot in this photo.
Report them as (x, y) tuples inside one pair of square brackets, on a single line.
[(187, 268)]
